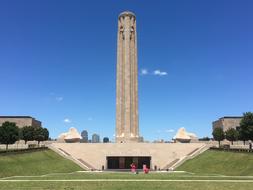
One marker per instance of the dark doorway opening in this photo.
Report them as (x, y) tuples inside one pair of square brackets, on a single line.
[(116, 162)]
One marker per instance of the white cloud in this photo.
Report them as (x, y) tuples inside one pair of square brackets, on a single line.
[(144, 71), (169, 130), (59, 99), (160, 73), (67, 120), (157, 72), (158, 131), (90, 119)]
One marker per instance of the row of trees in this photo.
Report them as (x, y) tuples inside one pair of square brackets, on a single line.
[(10, 133), (243, 133)]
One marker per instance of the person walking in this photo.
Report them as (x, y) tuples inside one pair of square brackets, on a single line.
[(133, 168), (145, 169)]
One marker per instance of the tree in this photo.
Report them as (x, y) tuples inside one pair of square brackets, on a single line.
[(105, 140), (232, 135), (246, 127), (28, 133), (218, 134), (46, 134), (9, 133), (40, 134)]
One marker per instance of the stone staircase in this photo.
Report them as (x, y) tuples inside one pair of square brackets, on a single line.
[(173, 165), (78, 161)]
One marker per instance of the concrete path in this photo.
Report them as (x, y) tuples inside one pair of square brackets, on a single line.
[(127, 180)]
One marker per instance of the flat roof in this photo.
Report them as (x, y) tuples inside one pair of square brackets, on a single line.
[(228, 117), (16, 117), (231, 117)]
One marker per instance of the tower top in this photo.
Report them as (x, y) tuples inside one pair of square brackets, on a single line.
[(127, 13)]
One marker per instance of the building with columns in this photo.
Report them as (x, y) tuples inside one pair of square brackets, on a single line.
[(127, 117)]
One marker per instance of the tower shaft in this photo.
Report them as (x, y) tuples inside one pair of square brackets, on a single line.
[(127, 119)]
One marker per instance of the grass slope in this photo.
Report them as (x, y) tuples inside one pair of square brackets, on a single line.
[(35, 163), (219, 162)]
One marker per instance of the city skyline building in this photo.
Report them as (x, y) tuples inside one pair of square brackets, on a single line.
[(95, 138), (85, 136)]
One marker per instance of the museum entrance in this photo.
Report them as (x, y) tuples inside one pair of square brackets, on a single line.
[(124, 162)]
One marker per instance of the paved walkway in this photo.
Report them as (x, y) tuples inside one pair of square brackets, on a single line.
[(126, 180)]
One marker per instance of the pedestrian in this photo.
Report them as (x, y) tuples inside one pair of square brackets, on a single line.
[(133, 168), (145, 169)]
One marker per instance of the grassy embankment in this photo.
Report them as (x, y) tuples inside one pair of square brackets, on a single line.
[(35, 163), (219, 162)]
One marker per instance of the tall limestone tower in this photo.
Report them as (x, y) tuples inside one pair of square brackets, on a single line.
[(127, 117)]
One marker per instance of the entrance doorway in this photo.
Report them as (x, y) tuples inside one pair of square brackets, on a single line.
[(116, 162)]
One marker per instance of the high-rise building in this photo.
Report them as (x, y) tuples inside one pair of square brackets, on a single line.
[(95, 138), (84, 135), (127, 117)]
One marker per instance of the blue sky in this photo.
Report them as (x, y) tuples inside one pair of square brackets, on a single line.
[(58, 62)]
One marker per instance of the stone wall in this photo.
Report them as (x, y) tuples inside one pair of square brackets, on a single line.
[(95, 154), (21, 121), (227, 123)]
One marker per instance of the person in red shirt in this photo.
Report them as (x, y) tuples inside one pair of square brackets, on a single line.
[(133, 168), (145, 169)]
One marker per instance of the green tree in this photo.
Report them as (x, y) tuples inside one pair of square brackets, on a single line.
[(232, 135), (41, 134), (246, 127), (38, 134), (105, 140), (218, 134), (46, 134), (28, 133), (9, 133)]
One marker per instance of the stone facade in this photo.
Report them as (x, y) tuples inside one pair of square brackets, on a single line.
[(20, 121), (227, 122), (127, 117), (95, 154)]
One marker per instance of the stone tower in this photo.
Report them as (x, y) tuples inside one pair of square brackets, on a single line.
[(127, 117)]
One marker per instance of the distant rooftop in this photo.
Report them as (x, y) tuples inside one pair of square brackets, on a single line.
[(16, 117), (231, 117)]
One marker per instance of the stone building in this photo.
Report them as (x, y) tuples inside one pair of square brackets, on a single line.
[(72, 136), (183, 136), (227, 122), (21, 121)]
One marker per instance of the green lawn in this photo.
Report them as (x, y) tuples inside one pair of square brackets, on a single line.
[(204, 167), (219, 162), (35, 163)]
